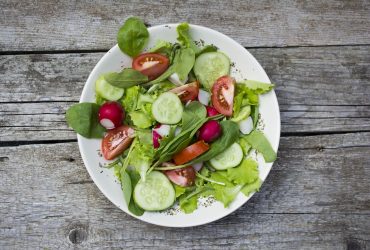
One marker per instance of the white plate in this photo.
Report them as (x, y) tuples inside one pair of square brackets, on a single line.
[(245, 67)]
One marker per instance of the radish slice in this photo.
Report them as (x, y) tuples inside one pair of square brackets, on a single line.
[(246, 125), (163, 130), (198, 166), (204, 97)]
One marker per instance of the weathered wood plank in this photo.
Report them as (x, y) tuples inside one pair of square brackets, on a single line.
[(73, 25), (315, 197), (319, 90), (304, 76), (46, 121)]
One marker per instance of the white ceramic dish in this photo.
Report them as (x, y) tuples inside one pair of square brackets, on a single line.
[(245, 67)]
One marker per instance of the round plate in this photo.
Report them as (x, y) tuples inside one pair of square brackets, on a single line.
[(245, 66)]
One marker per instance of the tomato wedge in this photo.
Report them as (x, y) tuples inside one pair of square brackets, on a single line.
[(183, 176), (187, 92), (151, 64), (223, 95), (190, 152), (116, 141)]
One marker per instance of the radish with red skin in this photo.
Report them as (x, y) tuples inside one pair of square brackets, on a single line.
[(111, 115), (210, 131), (211, 111)]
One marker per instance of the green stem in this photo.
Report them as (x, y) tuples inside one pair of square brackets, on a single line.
[(209, 180), (171, 167)]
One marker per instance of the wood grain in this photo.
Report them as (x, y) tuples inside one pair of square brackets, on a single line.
[(41, 25), (315, 197), (333, 99)]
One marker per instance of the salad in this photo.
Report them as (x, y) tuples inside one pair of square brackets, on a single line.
[(176, 126)]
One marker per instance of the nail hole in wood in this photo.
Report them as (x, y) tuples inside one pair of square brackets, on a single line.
[(353, 245), (77, 235)]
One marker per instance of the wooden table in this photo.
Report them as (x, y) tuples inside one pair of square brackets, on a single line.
[(317, 195)]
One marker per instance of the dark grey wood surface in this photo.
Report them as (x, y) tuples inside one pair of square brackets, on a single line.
[(317, 195)]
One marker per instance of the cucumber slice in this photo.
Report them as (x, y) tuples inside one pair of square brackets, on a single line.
[(210, 66), (230, 158), (155, 193), (167, 108), (107, 91)]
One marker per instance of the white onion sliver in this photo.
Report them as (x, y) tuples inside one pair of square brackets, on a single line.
[(174, 78), (203, 97), (163, 130), (246, 125), (177, 131), (198, 166)]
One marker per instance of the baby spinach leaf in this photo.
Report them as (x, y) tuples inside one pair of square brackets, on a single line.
[(182, 64), (126, 78), (192, 113), (254, 115), (132, 206), (230, 134), (259, 142), (132, 36), (83, 119), (126, 185)]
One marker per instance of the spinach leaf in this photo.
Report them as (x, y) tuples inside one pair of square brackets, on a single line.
[(193, 112), (126, 78), (185, 63), (254, 115), (230, 134), (126, 185), (259, 142), (83, 119), (132, 206), (182, 64), (132, 36)]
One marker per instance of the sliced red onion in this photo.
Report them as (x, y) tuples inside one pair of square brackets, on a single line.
[(246, 125), (198, 166), (163, 130), (156, 138), (204, 97)]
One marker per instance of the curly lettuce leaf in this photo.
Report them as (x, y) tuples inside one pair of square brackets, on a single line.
[(130, 98), (141, 158), (185, 39), (245, 173), (252, 187)]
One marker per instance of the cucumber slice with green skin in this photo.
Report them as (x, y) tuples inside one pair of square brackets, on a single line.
[(230, 158), (208, 67), (155, 193), (167, 108), (107, 91)]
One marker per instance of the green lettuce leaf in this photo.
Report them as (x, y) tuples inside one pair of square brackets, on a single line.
[(141, 119), (258, 87), (252, 187), (245, 173), (259, 142), (162, 47), (130, 98), (184, 37), (141, 158)]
